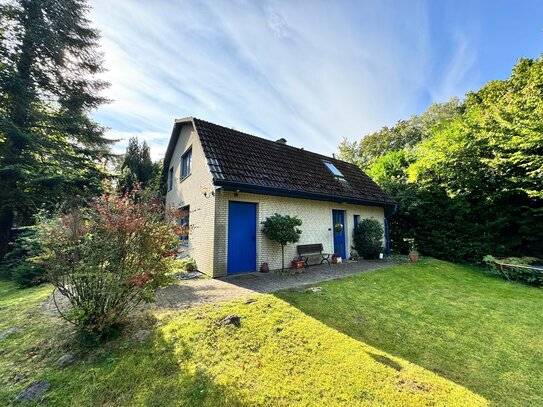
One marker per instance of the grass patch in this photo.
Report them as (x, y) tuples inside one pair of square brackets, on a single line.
[(481, 332), (24, 354), (278, 356)]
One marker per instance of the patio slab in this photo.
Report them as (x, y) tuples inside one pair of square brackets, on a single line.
[(190, 293)]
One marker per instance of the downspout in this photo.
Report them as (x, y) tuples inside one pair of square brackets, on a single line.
[(387, 230)]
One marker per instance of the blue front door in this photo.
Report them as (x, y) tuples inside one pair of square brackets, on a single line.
[(338, 219), (241, 237)]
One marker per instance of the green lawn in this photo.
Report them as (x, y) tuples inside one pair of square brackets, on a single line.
[(482, 333), (279, 356)]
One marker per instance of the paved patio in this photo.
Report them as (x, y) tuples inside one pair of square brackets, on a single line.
[(190, 293)]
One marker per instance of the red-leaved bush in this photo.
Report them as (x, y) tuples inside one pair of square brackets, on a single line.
[(109, 257)]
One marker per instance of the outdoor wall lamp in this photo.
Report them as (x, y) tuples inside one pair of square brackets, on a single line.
[(206, 192)]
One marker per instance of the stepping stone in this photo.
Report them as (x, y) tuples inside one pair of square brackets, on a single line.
[(190, 275), (9, 332), (231, 320), (33, 392), (65, 360)]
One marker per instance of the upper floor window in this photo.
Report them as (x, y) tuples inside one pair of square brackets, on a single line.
[(337, 173), (186, 164), (170, 180)]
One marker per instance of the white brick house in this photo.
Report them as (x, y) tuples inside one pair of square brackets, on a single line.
[(229, 182)]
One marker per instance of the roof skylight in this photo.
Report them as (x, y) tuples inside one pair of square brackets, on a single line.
[(333, 169)]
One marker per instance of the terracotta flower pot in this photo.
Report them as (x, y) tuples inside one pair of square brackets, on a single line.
[(264, 268), (413, 257)]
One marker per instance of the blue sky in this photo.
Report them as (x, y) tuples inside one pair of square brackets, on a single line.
[(310, 71)]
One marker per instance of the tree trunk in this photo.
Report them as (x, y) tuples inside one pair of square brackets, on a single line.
[(282, 259), (6, 222)]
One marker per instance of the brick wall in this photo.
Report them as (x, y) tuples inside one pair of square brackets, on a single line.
[(189, 192), (315, 215)]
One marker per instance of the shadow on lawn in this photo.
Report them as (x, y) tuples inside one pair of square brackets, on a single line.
[(385, 361), (131, 371), (476, 331)]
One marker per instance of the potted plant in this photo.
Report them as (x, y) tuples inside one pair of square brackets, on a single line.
[(413, 253), (336, 258), (282, 229), (264, 268), (297, 263)]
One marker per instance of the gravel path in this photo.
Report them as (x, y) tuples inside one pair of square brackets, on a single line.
[(190, 293)]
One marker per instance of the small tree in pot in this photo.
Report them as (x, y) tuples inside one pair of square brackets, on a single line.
[(284, 230)]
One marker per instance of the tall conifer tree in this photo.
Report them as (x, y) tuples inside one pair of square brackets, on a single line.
[(50, 148)]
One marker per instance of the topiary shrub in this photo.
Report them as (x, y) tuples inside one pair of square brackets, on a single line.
[(368, 238), (282, 229), (18, 264), (108, 258)]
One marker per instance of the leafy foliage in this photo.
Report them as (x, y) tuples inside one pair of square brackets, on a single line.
[(368, 238), (19, 264), (403, 135), (282, 229), (50, 148), (108, 258), (187, 264), (137, 170), (470, 183)]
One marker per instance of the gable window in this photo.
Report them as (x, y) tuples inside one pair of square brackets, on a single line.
[(185, 226), (170, 180), (186, 164), (337, 173), (356, 221)]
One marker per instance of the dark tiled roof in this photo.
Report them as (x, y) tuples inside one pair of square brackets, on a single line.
[(237, 158)]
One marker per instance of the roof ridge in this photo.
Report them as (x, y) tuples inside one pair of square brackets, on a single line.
[(274, 142)]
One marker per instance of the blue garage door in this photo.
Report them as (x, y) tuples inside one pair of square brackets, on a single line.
[(241, 237)]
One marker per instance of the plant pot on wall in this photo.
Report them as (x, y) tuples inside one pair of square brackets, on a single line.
[(338, 227)]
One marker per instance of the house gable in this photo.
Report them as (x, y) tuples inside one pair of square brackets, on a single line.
[(189, 192)]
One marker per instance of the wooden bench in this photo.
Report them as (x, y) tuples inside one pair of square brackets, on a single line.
[(307, 250)]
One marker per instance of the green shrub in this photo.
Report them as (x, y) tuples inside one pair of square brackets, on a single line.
[(18, 264), (186, 264), (368, 238), (527, 270), (108, 258)]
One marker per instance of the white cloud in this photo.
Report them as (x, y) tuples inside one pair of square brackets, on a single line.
[(310, 71)]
